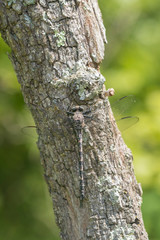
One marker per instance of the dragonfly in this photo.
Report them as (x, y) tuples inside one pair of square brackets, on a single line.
[(77, 117)]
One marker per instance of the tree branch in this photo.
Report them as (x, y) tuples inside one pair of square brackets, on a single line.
[(57, 47)]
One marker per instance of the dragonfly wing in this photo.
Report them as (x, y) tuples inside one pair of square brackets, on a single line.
[(123, 105), (29, 131), (32, 131), (126, 122)]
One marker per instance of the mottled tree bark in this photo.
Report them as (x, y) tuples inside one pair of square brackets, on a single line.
[(57, 47)]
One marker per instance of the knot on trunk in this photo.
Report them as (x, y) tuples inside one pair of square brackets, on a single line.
[(86, 85)]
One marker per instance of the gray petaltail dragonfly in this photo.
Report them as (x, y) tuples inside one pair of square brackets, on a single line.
[(77, 117)]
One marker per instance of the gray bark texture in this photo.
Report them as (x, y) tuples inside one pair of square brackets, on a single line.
[(57, 47)]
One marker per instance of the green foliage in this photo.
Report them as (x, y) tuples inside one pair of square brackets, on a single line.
[(131, 66)]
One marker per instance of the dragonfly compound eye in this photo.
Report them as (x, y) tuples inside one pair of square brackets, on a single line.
[(81, 109), (74, 109)]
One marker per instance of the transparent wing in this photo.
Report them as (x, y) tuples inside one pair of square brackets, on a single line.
[(123, 106), (120, 107), (29, 131), (126, 122)]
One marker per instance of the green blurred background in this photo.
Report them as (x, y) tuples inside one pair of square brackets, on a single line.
[(131, 66)]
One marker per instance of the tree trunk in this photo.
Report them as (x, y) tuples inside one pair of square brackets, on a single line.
[(57, 47)]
